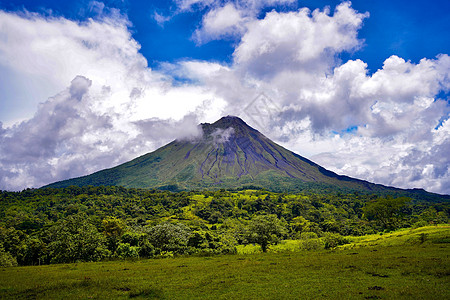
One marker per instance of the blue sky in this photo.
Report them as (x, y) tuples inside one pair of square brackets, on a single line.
[(359, 87), (410, 29)]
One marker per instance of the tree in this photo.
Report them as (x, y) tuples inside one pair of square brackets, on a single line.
[(113, 229), (300, 224), (6, 259), (265, 230), (75, 239), (32, 252), (169, 237), (388, 212)]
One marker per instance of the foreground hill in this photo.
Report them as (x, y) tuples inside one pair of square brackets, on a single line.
[(230, 154)]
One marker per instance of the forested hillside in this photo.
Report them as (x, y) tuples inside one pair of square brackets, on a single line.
[(95, 223)]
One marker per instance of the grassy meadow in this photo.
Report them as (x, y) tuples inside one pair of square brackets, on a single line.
[(408, 264)]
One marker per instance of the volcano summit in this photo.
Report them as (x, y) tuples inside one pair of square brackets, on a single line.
[(229, 154)]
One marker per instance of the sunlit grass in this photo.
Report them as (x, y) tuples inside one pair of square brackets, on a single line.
[(427, 234)]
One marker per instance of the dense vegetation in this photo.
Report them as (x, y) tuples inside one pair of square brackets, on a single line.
[(74, 224)]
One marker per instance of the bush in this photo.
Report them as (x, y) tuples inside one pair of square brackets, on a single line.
[(209, 243), (6, 259), (146, 249), (420, 223), (308, 235), (312, 244), (131, 238), (332, 240), (169, 237), (165, 254), (198, 239), (124, 250)]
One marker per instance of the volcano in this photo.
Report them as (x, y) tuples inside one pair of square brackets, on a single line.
[(230, 155)]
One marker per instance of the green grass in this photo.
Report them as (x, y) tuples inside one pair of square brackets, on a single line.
[(402, 264), (424, 235)]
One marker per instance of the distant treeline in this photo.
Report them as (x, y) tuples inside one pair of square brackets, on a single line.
[(72, 224)]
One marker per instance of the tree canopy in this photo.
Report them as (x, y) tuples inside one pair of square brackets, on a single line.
[(94, 223)]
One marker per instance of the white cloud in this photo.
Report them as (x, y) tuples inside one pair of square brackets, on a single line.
[(253, 6), (397, 162), (221, 136), (55, 133), (73, 134), (114, 109), (393, 141), (385, 102), (50, 52), (161, 19), (221, 22), (298, 40), (227, 19), (401, 80), (187, 5)]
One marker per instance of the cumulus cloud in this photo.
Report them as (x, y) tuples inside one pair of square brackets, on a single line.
[(187, 128), (220, 22), (396, 162), (79, 86), (70, 136), (114, 109), (384, 103), (356, 124), (226, 19), (298, 40), (48, 52), (29, 151)]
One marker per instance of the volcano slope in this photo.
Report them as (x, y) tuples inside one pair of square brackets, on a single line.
[(230, 155)]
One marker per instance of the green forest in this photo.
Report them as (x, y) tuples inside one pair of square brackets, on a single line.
[(75, 224)]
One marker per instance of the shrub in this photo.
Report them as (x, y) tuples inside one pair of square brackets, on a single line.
[(311, 244), (6, 259), (308, 235), (146, 249), (124, 250), (420, 223), (332, 240), (169, 237), (131, 238)]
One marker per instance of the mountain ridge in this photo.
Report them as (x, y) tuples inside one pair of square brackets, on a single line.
[(230, 154)]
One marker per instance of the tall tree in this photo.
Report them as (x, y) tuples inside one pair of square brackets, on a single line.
[(388, 212), (265, 230)]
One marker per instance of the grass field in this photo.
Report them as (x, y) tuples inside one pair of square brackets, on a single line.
[(409, 264)]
